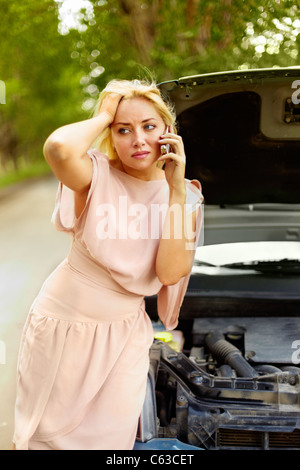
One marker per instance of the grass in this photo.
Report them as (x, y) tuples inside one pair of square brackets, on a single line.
[(24, 172)]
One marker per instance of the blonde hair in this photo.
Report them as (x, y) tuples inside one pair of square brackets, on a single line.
[(133, 89)]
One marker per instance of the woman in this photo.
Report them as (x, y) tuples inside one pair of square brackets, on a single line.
[(84, 352)]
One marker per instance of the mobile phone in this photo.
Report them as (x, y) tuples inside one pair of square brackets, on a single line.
[(164, 149)]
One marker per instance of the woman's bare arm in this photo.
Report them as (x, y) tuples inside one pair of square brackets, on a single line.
[(175, 256), (176, 248), (66, 148)]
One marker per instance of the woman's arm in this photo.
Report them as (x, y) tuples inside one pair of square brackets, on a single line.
[(175, 256), (176, 247), (66, 148)]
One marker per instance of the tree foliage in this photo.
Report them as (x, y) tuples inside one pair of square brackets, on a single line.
[(53, 75), (185, 37), (39, 75)]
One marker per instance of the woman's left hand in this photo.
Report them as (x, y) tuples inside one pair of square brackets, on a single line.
[(175, 161)]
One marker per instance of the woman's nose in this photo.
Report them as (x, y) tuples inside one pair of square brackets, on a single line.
[(138, 138)]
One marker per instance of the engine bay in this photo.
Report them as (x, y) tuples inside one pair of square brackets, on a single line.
[(233, 385)]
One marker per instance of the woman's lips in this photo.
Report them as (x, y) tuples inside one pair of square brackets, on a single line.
[(140, 155)]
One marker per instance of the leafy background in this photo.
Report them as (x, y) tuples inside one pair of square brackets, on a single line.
[(53, 69)]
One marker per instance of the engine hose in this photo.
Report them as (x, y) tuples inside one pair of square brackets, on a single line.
[(226, 371), (267, 369), (225, 351)]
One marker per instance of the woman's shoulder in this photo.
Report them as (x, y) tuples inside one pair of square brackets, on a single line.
[(194, 186), (103, 159), (194, 194), (94, 153)]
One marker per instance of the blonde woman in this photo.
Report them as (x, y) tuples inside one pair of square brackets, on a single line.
[(84, 352)]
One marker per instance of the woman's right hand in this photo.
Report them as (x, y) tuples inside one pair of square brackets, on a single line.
[(109, 105)]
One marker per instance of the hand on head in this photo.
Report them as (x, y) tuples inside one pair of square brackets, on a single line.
[(109, 105)]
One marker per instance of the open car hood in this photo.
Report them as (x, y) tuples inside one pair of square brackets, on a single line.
[(235, 382), (241, 132)]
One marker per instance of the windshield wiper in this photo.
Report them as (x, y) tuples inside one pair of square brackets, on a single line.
[(277, 207), (283, 266)]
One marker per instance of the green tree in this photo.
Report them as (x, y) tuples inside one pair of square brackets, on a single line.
[(53, 76), (42, 82), (185, 37)]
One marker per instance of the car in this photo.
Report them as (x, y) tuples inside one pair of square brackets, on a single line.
[(228, 376)]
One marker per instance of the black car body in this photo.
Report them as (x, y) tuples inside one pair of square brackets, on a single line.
[(235, 382)]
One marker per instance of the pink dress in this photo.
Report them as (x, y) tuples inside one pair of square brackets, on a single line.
[(83, 358)]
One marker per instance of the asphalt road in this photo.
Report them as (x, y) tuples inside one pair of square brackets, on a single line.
[(30, 248)]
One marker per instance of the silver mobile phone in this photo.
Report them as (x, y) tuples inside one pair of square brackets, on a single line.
[(164, 149)]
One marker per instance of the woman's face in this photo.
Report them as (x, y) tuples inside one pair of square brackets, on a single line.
[(136, 131)]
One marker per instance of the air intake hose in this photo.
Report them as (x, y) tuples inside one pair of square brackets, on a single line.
[(225, 351)]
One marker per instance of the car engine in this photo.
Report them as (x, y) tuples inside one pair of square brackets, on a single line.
[(229, 389)]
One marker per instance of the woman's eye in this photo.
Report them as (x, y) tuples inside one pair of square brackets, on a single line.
[(147, 127), (123, 131)]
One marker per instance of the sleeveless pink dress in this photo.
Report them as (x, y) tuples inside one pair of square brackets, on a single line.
[(83, 360)]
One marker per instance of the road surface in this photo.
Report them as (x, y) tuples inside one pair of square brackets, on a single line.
[(30, 248)]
